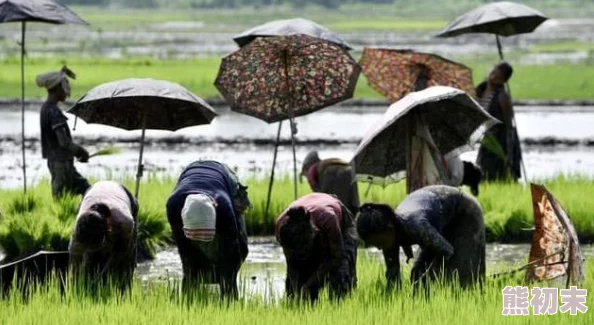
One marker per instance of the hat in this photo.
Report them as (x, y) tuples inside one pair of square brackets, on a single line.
[(199, 218), (51, 80)]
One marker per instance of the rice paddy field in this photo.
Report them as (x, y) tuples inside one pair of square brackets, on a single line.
[(370, 303), (541, 82), (35, 222)]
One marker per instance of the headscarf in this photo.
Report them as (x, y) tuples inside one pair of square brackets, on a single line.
[(51, 80), (199, 218)]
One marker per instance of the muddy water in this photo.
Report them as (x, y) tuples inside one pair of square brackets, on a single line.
[(246, 143), (263, 273)]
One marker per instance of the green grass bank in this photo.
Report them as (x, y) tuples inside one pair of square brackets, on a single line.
[(536, 82), (34, 222)]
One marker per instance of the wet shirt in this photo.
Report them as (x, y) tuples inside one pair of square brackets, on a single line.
[(121, 221), (426, 213), (325, 212), (210, 178), (51, 118)]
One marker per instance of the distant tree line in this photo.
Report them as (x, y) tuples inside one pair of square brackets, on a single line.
[(263, 3)]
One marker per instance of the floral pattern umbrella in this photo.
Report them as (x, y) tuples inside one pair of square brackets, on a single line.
[(395, 73), (456, 122), (555, 250), (278, 78)]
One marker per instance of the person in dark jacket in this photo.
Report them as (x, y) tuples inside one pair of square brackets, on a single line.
[(56, 142), (317, 234), (103, 244), (445, 222), (208, 227), (497, 102), (332, 176)]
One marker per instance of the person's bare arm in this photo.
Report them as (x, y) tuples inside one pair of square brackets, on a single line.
[(66, 142)]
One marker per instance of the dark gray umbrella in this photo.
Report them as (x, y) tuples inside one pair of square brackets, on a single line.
[(455, 120), (140, 104), (288, 27), (43, 11), (499, 18)]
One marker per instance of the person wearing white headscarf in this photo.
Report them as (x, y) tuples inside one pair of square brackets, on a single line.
[(205, 212), (56, 141)]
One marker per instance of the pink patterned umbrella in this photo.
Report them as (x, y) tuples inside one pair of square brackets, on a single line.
[(282, 77), (395, 73)]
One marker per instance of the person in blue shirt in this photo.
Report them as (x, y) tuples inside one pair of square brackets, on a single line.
[(205, 214)]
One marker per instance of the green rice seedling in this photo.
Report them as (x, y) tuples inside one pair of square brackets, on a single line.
[(370, 303)]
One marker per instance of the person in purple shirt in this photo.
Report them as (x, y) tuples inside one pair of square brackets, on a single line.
[(205, 212), (446, 223), (317, 234)]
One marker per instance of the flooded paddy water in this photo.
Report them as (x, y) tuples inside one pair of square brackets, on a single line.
[(185, 39), (557, 140), (263, 273)]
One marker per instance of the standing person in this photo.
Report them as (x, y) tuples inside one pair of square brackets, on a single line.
[(208, 228), (457, 172), (497, 102), (103, 244), (317, 234), (56, 142), (332, 176), (448, 226)]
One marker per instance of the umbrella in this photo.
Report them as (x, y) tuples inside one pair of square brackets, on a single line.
[(395, 73), (455, 120), (283, 77), (37, 266), (500, 18), (287, 27), (134, 104), (555, 250), (43, 11)]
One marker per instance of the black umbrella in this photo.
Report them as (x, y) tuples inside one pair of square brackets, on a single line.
[(499, 18), (287, 27), (140, 104), (42, 11)]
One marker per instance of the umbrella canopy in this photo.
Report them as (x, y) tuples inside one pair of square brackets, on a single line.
[(287, 27), (455, 120), (24, 11), (501, 18), (277, 78), (555, 250), (43, 11), (134, 104), (395, 73)]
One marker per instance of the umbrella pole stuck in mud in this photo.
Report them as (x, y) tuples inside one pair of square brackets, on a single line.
[(293, 132), (23, 32), (140, 165), (280, 125)]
